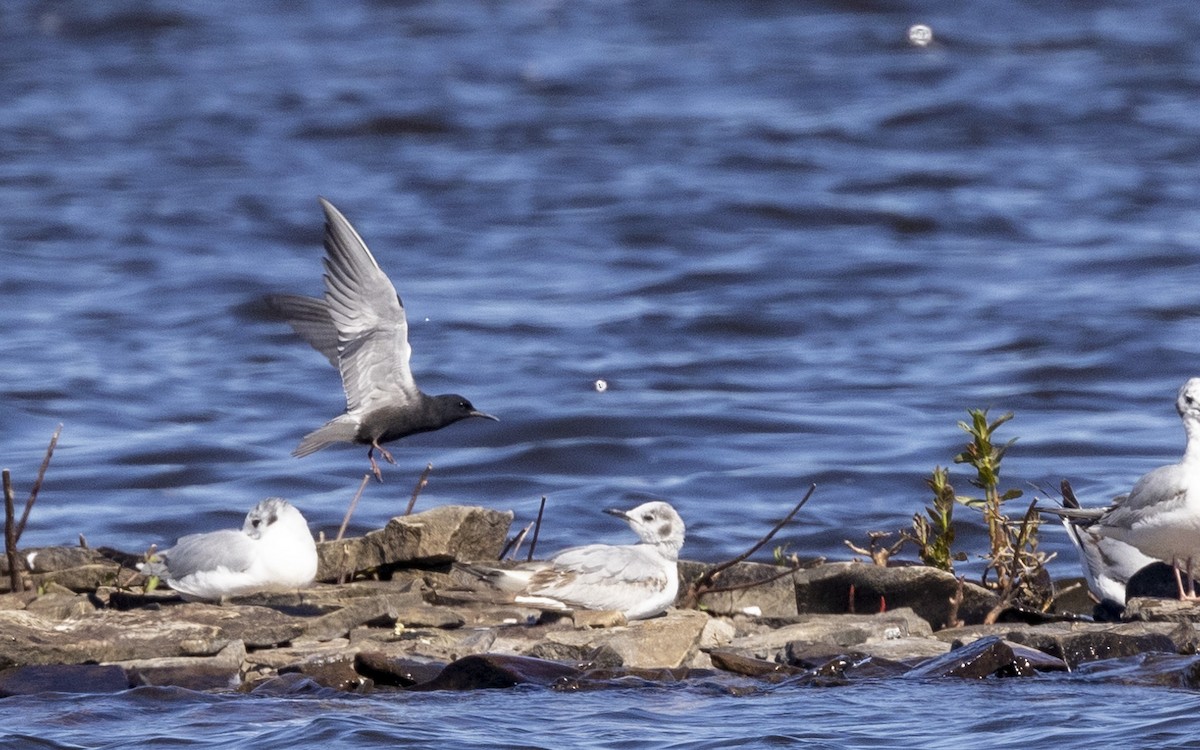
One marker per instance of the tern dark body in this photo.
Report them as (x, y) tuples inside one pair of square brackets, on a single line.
[(361, 328)]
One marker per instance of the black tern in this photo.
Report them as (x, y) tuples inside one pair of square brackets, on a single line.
[(361, 329)]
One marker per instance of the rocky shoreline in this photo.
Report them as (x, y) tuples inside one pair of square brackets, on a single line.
[(391, 613)]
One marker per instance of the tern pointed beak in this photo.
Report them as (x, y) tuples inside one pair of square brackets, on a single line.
[(484, 415), (617, 512)]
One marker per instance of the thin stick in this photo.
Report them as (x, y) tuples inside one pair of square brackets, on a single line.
[(424, 480), (15, 583), (37, 485), (738, 587), (702, 584), (353, 504), (514, 544), (717, 569), (537, 527)]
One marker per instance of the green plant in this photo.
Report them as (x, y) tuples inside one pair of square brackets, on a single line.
[(933, 533), (1020, 569), (985, 456)]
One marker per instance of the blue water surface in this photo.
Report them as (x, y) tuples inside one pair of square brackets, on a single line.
[(796, 248)]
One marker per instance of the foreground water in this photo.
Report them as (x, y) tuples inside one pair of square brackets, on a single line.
[(795, 247), (1012, 714)]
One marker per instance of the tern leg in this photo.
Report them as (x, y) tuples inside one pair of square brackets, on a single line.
[(375, 446), (374, 466)]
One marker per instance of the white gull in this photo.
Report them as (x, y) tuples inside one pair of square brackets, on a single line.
[(273, 550), (640, 580), (1158, 520)]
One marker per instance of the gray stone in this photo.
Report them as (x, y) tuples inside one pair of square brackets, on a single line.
[(839, 588), (396, 671), (48, 559), (103, 637), (988, 657), (1153, 609), (333, 671), (219, 672), (738, 663), (63, 678), (832, 632), (757, 589), (482, 671), (436, 536), (61, 606), (667, 641)]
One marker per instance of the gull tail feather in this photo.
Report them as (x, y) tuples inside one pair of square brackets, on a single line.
[(338, 430)]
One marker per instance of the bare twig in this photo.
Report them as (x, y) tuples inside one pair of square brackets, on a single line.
[(956, 601), (424, 480), (353, 504), (1009, 588), (537, 528), (37, 485), (704, 583), (10, 537), (738, 586), (514, 544)]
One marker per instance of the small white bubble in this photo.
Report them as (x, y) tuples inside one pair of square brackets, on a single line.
[(920, 35), (601, 386)]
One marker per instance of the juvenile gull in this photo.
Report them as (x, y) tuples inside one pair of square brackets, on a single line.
[(1159, 519), (273, 550), (361, 329), (640, 580)]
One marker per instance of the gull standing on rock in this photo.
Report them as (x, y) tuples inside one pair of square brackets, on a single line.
[(273, 550), (1108, 563), (361, 329), (640, 580), (1159, 518)]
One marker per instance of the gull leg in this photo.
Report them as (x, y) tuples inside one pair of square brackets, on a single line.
[(1178, 578), (383, 451), (1191, 581)]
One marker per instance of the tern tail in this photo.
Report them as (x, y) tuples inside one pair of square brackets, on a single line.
[(338, 430)]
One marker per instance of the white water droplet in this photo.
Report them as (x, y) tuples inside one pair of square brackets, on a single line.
[(920, 35)]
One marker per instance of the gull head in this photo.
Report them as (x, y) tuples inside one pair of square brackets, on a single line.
[(1188, 402), (272, 515), (655, 523)]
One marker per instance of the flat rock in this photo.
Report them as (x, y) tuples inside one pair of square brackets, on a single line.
[(482, 671), (48, 559), (1154, 609), (61, 606), (831, 632), (105, 636), (988, 657), (436, 536), (667, 641), (396, 671), (1078, 643), (854, 587), (738, 663), (221, 671), (63, 678), (334, 670)]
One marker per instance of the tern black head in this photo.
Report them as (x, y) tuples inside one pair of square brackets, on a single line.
[(453, 407)]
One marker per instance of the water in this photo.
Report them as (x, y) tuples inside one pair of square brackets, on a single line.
[(796, 247), (1010, 714)]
